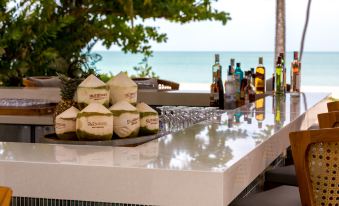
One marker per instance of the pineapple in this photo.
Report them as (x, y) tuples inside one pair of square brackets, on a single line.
[(68, 88)]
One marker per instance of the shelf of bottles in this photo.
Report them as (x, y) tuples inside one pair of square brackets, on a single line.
[(242, 87)]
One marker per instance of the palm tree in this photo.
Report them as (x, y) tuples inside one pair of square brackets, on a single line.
[(280, 29)]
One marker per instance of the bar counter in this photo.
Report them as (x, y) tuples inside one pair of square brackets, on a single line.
[(210, 163)]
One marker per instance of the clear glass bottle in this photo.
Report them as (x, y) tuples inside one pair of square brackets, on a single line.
[(295, 75), (260, 77), (217, 89), (244, 85), (232, 66), (278, 77), (238, 76), (214, 93), (284, 84), (230, 89)]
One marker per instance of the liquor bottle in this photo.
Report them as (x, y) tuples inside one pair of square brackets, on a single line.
[(294, 108), (217, 89), (244, 85), (278, 77), (295, 75), (260, 111), (253, 77), (232, 65), (260, 77), (221, 103), (238, 76), (284, 84), (273, 83), (230, 89), (214, 94), (277, 111), (249, 89)]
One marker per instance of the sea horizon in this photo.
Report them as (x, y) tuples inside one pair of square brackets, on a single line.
[(195, 66)]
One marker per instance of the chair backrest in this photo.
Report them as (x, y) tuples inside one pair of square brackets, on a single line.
[(316, 158), (5, 196), (328, 120), (333, 106)]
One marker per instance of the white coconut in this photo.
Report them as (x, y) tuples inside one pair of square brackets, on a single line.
[(149, 119), (126, 119), (65, 124), (92, 90), (122, 88), (95, 122)]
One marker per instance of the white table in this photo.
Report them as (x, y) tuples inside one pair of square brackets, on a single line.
[(207, 164)]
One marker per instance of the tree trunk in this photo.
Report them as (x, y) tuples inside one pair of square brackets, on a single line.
[(280, 34)]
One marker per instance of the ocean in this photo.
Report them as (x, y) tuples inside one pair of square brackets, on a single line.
[(318, 68)]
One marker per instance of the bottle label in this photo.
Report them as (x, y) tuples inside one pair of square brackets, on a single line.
[(297, 83)]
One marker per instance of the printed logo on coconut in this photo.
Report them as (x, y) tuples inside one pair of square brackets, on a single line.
[(97, 124), (152, 120), (98, 96), (131, 95), (60, 126), (133, 121)]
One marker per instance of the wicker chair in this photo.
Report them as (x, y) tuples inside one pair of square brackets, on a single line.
[(5, 196), (333, 106), (328, 120), (315, 154), (286, 175)]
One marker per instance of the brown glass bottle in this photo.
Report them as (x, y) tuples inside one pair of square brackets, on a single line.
[(260, 77), (217, 89), (295, 74)]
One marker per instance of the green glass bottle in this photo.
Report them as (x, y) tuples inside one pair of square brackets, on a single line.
[(278, 77), (238, 76)]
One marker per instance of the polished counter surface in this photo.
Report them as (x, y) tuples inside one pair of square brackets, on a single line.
[(209, 163)]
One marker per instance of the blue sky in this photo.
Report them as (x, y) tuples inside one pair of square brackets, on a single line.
[(252, 28)]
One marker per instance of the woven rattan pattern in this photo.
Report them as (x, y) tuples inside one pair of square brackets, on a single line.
[(323, 165)]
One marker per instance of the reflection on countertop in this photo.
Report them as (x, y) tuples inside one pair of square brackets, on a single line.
[(208, 146)]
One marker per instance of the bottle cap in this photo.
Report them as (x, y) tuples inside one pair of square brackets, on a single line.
[(279, 60), (230, 70), (295, 54), (282, 55), (216, 57), (238, 64), (261, 60), (232, 62)]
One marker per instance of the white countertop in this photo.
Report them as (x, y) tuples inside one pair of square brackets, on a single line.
[(207, 164)]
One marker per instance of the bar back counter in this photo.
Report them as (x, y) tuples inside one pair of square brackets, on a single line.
[(209, 163)]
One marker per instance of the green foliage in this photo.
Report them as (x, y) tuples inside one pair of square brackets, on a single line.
[(43, 37), (106, 77), (144, 70)]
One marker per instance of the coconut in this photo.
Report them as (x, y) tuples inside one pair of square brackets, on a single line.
[(149, 119), (92, 90), (126, 119), (122, 88), (65, 124), (95, 122)]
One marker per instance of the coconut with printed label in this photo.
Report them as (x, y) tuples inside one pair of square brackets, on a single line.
[(126, 119), (122, 88), (149, 119), (65, 124), (95, 122), (92, 90)]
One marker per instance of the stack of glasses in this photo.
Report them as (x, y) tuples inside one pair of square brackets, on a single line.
[(175, 118)]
